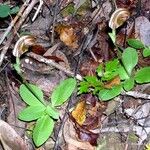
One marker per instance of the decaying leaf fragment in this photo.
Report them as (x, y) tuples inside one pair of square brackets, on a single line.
[(23, 44), (118, 17), (113, 82), (87, 118), (72, 141), (79, 113), (67, 35), (10, 139)]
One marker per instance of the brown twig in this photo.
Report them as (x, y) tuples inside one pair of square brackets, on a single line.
[(52, 63), (17, 27), (54, 20), (10, 99), (13, 22)]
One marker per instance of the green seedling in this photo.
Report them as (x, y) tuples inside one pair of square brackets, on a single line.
[(5, 10), (44, 114), (124, 67)]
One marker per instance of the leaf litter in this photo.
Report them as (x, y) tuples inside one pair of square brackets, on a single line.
[(74, 34)]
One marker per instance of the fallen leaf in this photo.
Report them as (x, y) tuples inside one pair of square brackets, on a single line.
[(67, 35), (62, 56), (113, 82), (38, 49), (88, 136), (79, 113), (52, 49), (91, 110), (10, 139), (142, 30), (72, 141)]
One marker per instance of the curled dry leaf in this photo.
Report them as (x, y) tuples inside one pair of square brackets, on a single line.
[(118, 17), (38, 49), (62, 59), (23, 44), (72, 142), (87, 136), (67, 35), (10, 139), (87, 118)]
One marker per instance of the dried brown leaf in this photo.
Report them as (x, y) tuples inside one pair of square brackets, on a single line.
[(38, 49), (67, 35), (113, 82), (10, 139), (72, 141), (79, 113)]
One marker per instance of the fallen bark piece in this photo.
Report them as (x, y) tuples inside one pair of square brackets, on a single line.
[(10, 139)]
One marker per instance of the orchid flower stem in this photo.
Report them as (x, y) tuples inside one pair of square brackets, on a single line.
[(119, 52)]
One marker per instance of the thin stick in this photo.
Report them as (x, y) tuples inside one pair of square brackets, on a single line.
[(38, 10), (26, 13), (18, 25), (52, 63), (54, 21), (13, 22)]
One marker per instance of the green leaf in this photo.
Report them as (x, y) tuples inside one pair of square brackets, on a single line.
[(111, 68), (31, 94), (97, 89), (135, 43), (22, 33), (43, 129), (84, 87), (122, 73), (99, 70), (128, 84), (4, 10), (63, 91), (32, 113), (107, 94), (129, 59), (14, 10), (52, 112), (92, 80), (146, 52), (143, 75), (112, 65)]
